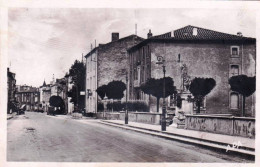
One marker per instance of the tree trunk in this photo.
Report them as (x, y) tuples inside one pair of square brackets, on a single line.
[(244, 106), (158, 100), (198, 105)]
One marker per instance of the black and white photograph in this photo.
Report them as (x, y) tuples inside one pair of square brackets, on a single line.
[(129, 85)]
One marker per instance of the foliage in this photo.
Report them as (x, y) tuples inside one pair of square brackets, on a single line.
[(77, 73), (154, 87), (243, 85), (113, 90), (56, 101), (101, 91), (199, 88)]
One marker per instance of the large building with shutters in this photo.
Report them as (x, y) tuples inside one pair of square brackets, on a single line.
[(195, 52)]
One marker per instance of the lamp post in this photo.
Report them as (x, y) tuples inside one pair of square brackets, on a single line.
[(161, 60), (126, 110), (105, 105)]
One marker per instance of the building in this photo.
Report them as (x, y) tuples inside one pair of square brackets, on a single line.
[(45, 94), (191, 52), (57, 87), (106, 63), (69, 104), (29, 96), (11, 88)]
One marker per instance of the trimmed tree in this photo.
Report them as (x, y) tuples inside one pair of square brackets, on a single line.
[(243, 85), (57, 101), (154, 87), (102, 91), (115, 90), (199, 88)]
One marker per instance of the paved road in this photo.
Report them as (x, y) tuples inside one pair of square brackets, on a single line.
[(38, 137)]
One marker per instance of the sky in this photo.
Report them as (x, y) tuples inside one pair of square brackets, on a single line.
[(43, 42)]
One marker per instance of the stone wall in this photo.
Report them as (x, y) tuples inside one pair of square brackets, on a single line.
[(228, 125), (141, 117)]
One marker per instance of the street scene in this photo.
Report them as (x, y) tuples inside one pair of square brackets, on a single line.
[(124, 85), (85, 142)]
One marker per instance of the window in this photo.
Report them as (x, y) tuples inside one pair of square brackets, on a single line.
[(234, 70), (235, 51), (234, 100)]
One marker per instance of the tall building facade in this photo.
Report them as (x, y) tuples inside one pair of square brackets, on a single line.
[(202, 53), (11, 89), (106, 63), (29, 96)]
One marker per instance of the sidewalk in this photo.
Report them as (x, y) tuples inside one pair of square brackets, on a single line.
[(223, 142)]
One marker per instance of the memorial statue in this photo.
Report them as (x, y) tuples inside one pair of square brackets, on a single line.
[(186, 80)]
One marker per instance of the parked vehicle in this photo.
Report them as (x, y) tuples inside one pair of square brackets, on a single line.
[(22, 109)]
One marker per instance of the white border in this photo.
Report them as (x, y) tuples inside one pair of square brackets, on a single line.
[(5, 4)]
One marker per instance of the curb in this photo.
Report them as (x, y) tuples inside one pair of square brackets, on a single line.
[(9, 117), (194, 138), (244, 151)]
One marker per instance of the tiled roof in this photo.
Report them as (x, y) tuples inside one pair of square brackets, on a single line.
[(200, 34), (193, 34)]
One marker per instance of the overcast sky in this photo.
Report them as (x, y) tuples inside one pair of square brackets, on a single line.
[(43, 42)]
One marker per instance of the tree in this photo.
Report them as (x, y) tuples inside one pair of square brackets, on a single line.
[(199, 88), (102, 91), (115, 90), (154, 87), (57, 101), (77, 72), (243, 85)]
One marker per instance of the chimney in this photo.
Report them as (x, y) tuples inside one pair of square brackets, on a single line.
[(115, 36), (239, 34), (149, 35)]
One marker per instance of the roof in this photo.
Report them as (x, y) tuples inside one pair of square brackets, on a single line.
[(107, 44), (201, 35)]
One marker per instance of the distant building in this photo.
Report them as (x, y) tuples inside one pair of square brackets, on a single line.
[(106, 63), (11, 86), (57, 87), (29, 96), (69, 104), (45, 94), (191, 52)]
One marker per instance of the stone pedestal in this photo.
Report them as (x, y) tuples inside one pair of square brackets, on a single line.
[(187, 108)]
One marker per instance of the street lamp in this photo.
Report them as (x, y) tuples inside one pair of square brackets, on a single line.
[(126, 110), (161, 60)]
